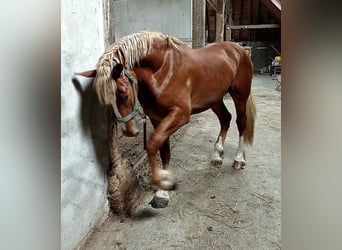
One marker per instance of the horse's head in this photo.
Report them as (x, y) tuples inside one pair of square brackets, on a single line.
[(124, 101)]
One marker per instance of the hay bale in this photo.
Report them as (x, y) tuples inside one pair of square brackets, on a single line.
[(123, 188)]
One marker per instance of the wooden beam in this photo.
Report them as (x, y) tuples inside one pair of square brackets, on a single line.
[(237, 6), (211, 22), (254, 26), (274, 6), (220, 20), (198, 23), (212, 5), (229, 19), (254, 18), (108, 13), (245, 19)]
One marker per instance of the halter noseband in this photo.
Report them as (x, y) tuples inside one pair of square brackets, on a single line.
[(118, 116)]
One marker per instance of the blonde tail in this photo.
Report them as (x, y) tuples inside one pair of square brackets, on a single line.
[(248, 135)]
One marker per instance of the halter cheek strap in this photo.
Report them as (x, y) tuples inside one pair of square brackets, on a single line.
[(136, 109)]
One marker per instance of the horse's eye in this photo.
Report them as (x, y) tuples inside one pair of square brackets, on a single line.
[(124, 97)]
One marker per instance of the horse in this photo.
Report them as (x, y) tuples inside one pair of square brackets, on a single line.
[(172, 81)]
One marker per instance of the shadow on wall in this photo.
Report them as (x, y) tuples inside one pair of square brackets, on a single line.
[(93, 116)]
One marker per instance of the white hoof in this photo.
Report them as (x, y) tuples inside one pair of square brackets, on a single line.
[(162, 194), (216, 159), (239, 165), (240, 156), (161, 199)]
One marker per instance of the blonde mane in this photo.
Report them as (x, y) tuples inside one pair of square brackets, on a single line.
[(129, 50)]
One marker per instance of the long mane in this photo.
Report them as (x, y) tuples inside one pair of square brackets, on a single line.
[(129, 50)]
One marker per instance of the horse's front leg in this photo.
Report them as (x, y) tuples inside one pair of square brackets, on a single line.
[(161, 198), (163, 178)]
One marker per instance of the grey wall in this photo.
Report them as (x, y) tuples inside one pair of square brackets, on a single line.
[(170, 17), (83, 124)]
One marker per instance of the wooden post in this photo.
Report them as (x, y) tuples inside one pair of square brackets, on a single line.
[(237, 5), (108, 16), (198, 23), (109, 38), (229, 19), (254, 18), (123, 186), (220, 20), (245, 19)]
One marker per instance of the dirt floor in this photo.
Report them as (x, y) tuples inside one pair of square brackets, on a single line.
[(212, 208)]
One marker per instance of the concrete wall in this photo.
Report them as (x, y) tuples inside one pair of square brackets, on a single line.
[(83, 124), (170, 17)]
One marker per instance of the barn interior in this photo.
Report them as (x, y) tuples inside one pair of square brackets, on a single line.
[(104, 173)]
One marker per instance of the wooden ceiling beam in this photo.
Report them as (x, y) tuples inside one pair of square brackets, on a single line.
[(274, 6), (212, 5)]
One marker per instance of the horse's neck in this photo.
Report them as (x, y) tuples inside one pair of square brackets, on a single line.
[(156, 56)]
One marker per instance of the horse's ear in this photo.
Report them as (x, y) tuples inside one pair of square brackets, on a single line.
[(89, 73), (117, 69)]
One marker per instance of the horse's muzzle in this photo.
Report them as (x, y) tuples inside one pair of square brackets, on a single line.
[(131, 128), (131, 134)]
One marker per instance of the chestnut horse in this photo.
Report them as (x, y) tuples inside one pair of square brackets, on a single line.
[(173, 81)]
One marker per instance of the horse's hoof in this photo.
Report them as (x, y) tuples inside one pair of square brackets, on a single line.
[(161, 199), (159, 202), (216, 161), (239, 165)]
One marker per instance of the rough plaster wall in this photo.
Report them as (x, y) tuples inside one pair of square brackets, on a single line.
[(83, 123), (171, 17)]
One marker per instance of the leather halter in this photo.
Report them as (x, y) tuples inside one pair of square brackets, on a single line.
[(136, 109)]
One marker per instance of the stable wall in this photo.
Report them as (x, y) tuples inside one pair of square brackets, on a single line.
[(170, 17), (84, 151)]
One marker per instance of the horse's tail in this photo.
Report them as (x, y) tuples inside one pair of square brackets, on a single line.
[(248, 135)]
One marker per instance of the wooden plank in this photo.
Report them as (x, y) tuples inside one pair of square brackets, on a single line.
[(254, 18), (229, 20), (246, 12), (212, 5), (211, 22), (236, 18), (198, 23), (254, 26), (220, 20), (108, 13), (274, 6), (263, 19)]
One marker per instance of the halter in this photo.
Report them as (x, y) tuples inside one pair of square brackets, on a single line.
[(118, 116)]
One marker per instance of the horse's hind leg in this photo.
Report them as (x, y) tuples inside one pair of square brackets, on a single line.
[(224, 117), (245, 116), (240, 158)]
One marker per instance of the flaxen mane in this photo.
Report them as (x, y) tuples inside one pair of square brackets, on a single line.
[(129, 50)]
